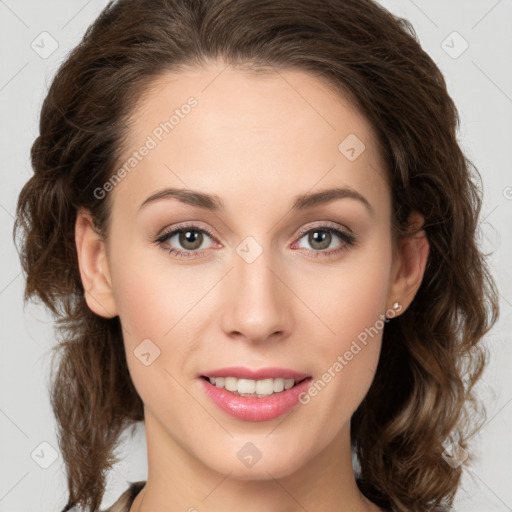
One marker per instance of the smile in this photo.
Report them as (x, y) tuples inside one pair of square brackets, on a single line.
[(255, 388), (262, 403)]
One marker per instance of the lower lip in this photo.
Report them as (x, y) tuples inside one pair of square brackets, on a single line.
[(249, 408)]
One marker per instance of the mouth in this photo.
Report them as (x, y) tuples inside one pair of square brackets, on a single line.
[(254, 388), (255, 400)]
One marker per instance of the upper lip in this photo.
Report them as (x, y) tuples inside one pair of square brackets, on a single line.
[(241, 372)]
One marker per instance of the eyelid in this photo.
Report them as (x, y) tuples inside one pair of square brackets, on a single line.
[(197, 225), (324, 224)]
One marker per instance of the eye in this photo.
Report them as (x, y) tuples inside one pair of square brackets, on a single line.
[(321, 238), (189, 238)]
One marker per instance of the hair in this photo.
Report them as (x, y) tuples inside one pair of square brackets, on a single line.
[(431, 357)]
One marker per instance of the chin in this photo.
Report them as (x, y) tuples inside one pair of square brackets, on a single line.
[(266, 468)]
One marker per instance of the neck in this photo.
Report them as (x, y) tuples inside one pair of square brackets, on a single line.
[(179, 481)]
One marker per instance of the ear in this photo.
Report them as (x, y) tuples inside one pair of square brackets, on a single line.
[(93, 265), (408, 266)]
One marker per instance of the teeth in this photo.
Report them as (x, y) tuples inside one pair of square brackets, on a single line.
[(248, 387)]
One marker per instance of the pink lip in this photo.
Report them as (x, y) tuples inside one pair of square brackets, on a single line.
[(263, 373), (250, 408)]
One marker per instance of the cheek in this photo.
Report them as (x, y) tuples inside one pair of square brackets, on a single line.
[(151, 295), (354, 310), (151, 302), (158, 304), (349, 296), (145, 307)]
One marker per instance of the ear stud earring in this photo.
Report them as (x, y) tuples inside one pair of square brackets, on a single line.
[(396, 306)]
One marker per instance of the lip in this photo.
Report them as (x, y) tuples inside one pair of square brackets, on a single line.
[(248, 408), (241, 372)]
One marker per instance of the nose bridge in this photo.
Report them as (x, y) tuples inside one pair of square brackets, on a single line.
[(256, 306)]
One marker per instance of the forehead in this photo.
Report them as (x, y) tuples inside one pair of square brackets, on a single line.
[(228, 131)]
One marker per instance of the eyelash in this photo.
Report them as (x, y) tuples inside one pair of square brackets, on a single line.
[(347, 239)]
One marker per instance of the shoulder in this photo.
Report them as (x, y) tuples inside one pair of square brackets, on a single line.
[(126, 499)]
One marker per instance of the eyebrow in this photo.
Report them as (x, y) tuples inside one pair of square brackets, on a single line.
[(214, 203)]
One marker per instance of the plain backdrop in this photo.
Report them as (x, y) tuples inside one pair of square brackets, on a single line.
[(471, 42)]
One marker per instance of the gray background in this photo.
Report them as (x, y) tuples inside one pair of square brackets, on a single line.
[(480, 81)]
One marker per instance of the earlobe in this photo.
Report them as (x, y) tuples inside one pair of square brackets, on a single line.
[(412, 260), (93, 265)]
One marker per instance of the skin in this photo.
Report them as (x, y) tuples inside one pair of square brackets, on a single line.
[(257, 142)]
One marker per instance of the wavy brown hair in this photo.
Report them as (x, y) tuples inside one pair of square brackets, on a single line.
[(431, 355)]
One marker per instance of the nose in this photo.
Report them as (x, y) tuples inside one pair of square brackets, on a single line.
[(258, 304)]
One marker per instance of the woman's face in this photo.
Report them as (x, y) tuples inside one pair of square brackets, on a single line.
[(257, 282)]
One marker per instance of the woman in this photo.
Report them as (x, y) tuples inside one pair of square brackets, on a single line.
[(257, 229)]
